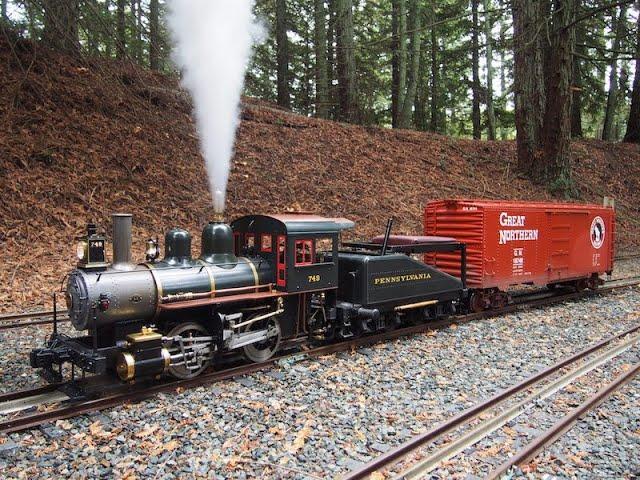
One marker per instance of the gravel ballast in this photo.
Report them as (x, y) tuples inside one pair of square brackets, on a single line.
[(322, 417)]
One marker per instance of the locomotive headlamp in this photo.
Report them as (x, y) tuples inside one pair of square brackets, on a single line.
[(152, 251), (81, 250)]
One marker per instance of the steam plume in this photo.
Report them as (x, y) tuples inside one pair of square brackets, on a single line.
[(213, 40)]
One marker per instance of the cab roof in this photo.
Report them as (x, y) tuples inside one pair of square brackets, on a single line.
[(294, 223)]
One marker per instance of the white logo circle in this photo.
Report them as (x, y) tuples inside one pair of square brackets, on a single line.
[(597, 232)]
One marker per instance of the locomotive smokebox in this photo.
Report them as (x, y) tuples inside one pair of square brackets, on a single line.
[(217, 244), (122, 241)]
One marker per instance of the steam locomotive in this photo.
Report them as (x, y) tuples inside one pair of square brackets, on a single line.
[(260, 284)]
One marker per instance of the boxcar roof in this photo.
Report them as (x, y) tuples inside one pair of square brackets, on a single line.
[(293, 223)]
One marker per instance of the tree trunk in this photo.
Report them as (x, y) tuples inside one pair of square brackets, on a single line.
[(93, 34), (61, 25), (612, 95), (475, 84), (346, 61), (331, 57), (398, 58), (491, 117), (309, 72), (154, 35), (554, 167), (415, 15), (633, 124), (503, 75), (106, 30), (434, 124), (528, 81), (420, 119), (320, 40), (32, 11), (121, 40), (3, 10), (282, 54), (576, 108), (136, 17)]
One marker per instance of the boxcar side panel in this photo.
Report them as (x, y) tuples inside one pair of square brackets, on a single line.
[(510, 243)]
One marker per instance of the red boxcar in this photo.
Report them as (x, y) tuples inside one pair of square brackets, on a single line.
[(511, 243)]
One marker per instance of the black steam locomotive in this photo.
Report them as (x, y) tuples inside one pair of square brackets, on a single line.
[(259, 284)]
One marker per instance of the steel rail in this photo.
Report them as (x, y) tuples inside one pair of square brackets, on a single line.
[(487, 427), (11, 396), (564, 424), (21, 315), (404, 449)]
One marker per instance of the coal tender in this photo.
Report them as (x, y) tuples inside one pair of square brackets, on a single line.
[(259, 284), (382, 284)]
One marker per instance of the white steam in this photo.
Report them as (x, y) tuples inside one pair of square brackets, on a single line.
[(213, 42)]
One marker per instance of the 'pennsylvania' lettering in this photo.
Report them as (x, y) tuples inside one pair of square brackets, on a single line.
[(516, 235), (410, 277)]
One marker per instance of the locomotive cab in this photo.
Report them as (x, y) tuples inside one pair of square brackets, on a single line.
[(302, 248)]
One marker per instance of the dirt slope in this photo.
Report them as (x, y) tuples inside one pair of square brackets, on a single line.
[(80, 140)]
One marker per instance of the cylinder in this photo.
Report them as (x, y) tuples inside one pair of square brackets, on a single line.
[(122, 241)]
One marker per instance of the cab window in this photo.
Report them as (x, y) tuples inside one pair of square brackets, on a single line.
[(265, 242), (323, 249), (304, 252)]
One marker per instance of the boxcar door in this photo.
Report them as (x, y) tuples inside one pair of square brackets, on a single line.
[(281, 263)]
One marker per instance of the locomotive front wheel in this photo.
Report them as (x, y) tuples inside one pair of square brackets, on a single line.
[(196, 354), (262, 351)]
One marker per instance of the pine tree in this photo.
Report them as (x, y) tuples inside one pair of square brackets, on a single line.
[(346, 61), (321, 69), (543, 54), (282, 45), (475, 69), (61, 25), (398, 58), (576, 108), (154, 35), (406, 113), (434, 124), (612, 96), (121, 42), (633, 123), (491, 117)]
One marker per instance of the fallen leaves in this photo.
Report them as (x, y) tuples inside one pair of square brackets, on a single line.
[(64, 424), (301, 437), (148, 430)]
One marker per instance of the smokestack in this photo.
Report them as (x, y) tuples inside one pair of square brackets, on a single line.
[(122, 241)]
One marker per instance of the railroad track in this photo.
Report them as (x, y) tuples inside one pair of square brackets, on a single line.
[(480, 424), (129, 395)]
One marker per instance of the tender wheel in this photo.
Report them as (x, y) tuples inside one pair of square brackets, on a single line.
[(197, 353), (262, 351)]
